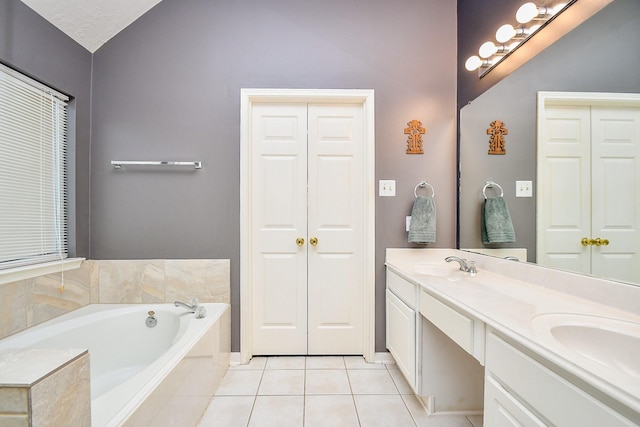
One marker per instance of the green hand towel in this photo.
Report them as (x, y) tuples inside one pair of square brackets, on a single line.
[(495, 222), (423, 221)]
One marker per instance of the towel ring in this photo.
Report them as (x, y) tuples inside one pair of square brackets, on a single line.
[(491, 184), (423, 184)]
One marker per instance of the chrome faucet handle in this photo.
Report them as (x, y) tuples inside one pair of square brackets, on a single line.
[(194, 302), (472, 268)]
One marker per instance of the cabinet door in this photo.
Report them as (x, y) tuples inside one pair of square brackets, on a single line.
[(401, 336), (503, 410), (547, 393)]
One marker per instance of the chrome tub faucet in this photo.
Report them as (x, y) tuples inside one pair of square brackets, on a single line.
[(195, 308)]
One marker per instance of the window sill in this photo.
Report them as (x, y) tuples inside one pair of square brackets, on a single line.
[(31, 271)]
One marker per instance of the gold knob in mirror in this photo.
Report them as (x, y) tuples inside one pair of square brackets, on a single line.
[(299, 241), (600, 242), (313, 241)]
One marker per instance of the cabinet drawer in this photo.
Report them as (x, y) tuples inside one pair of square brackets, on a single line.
[(552, 397), (403, 289), (456, 326)]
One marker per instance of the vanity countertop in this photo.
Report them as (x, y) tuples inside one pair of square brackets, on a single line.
[(524, 311)]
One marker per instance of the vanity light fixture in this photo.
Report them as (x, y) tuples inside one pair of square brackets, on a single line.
[(474, 62), (508, 32), (490, 53)]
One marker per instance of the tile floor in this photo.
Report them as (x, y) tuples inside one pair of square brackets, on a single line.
[(313, 391)]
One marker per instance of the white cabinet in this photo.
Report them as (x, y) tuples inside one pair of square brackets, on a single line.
[(402, 326), (520, 391)]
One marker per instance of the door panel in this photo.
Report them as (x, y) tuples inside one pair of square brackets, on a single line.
[(336, 204), (279, 268), (564, 188), (615, 186)]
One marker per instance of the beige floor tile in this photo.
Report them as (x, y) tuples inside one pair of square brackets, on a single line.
[(327, 381), (278, 411), (423, 419), (228, 411), (371, 382), (239, 383), (476, 420), (374, 411), (358, 362), (330, 411), (286, 362), (257, 363), (325, 362), (399, 380), (282, 382)]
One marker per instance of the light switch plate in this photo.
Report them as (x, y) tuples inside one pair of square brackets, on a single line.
[(524, 188), (408, 222), (387, 187)]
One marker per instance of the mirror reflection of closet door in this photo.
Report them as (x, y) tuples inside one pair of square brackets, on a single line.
[(588, 190)]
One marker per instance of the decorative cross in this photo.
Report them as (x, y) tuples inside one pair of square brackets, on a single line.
[(414, 141), (496, 142)]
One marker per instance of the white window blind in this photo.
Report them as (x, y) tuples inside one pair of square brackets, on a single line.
[(33, 158)]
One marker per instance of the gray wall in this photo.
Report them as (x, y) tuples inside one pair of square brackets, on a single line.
[(33, 46), (168, 87), (601, 55)]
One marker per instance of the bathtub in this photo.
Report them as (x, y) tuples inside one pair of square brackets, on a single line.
[(137, 372)]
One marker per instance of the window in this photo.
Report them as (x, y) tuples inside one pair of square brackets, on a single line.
[(33, 158)]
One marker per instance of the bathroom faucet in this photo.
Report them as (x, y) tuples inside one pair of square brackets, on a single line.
[(469, 268), (195, 308)]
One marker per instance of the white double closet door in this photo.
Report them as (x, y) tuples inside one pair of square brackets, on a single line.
[(307, 198), (589, 187)]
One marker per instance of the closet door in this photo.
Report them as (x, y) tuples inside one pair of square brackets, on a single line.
[(336, 218), (564, 200), (308, 214), (615, 189), (279, 219)]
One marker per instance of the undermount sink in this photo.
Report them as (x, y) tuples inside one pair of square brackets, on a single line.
[(449, 272), (609, 342)]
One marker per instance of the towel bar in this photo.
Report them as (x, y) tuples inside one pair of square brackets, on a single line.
[(423, 184), (490, 184), (119, 163)]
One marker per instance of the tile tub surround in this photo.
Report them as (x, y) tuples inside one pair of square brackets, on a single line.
[(507, 296), (319, 390), (44, 387), (29, 302)]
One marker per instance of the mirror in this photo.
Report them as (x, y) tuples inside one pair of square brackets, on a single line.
[(600, 55)]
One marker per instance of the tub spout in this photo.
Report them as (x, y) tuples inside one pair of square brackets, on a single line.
[(195, 308)]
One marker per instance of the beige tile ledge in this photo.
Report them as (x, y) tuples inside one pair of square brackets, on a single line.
[(25, 367)]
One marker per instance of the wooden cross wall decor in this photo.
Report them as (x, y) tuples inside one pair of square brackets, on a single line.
[(497, 132), (414, 141)]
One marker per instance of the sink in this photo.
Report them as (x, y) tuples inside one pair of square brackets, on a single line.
[(608, 342), (449, 272)]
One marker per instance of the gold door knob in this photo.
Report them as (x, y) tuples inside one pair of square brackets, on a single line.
[(299, 241), (587, 242), (313, 241), (600, 242)]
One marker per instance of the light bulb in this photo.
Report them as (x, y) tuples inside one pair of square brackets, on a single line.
[(505, 33), (473, 63), (487, 49), (527, 12)]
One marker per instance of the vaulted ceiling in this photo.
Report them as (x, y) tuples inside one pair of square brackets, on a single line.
[(91, 23)]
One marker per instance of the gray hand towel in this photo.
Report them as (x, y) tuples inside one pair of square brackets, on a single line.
[(423, 221), (495, 222)]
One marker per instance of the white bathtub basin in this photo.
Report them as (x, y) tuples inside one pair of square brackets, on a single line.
[(611, 343)]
